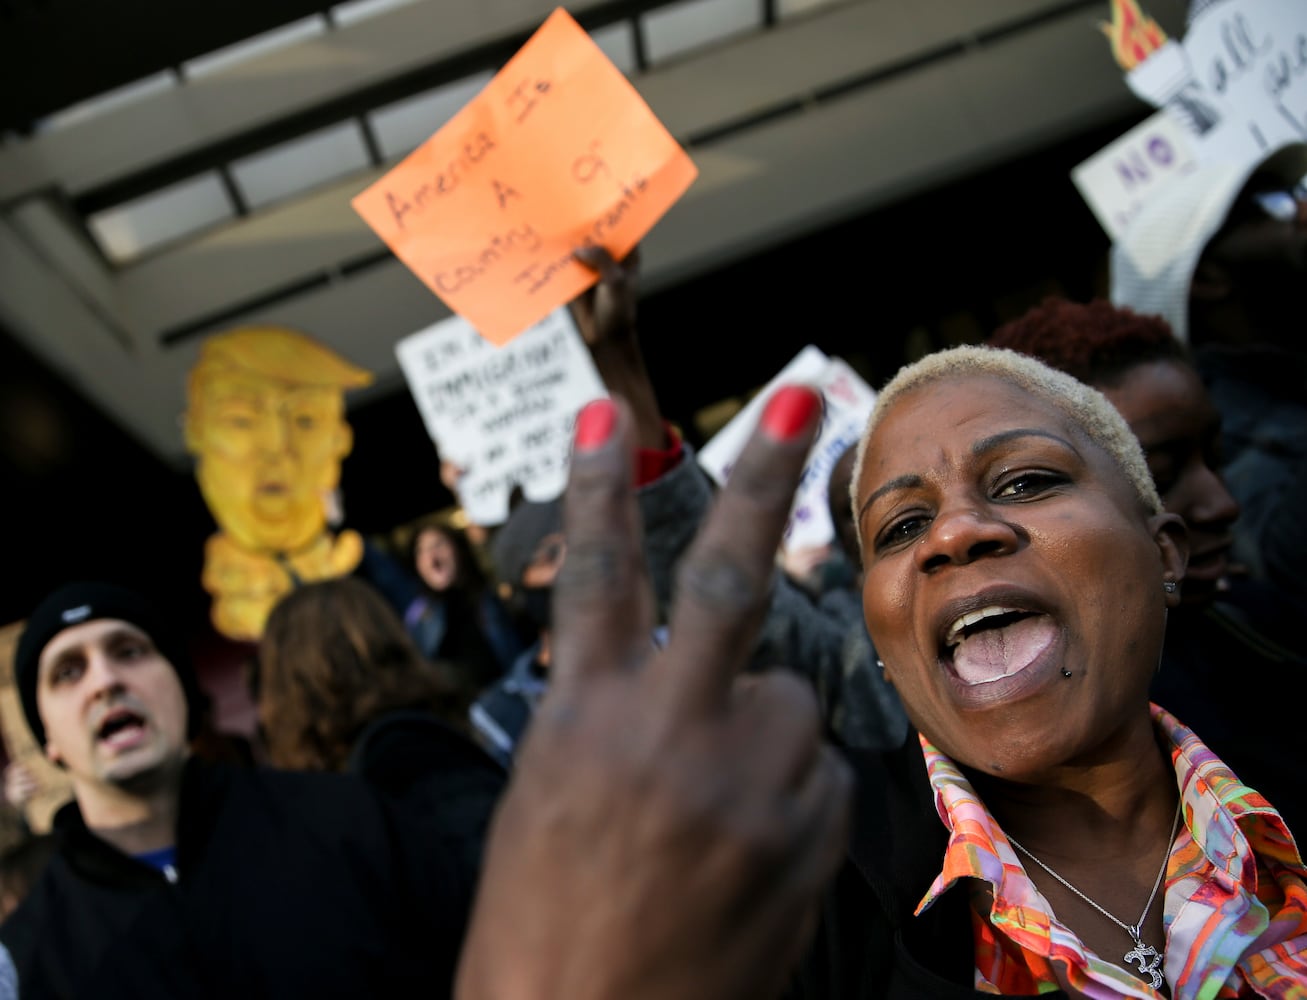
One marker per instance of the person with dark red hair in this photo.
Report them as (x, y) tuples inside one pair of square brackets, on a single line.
[(1226, 621)]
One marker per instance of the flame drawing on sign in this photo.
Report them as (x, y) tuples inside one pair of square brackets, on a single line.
[(1134, 37), (1157, 69)]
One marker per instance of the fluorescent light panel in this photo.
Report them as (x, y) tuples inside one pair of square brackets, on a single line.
[(617, 41), (796, 8), (692, 24), (110, 100), (346, 14), (401, 127), (126, 231), (301, 164)]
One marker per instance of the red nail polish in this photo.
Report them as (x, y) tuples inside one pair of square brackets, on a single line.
[(789, 411), (594, 424)]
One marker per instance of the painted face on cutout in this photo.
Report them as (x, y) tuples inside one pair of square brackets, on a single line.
[(269, 451), (1002, 546)]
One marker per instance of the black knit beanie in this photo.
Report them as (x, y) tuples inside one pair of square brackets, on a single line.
[(77, 603), (515, 544)]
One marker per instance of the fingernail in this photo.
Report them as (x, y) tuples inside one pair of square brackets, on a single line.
[(594, 424), (789, 411)]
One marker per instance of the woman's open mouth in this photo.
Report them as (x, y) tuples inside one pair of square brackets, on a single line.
[(998, 647), (995, 642)]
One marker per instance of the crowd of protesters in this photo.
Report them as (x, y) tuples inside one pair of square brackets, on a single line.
[(1013, 736)]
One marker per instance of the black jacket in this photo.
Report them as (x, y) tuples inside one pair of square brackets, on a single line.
[(868, 943), (436, 777), (288, 885), (1224, 666)]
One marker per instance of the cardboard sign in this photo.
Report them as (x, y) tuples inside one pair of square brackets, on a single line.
[(558, 152), (503, 415), (53, 785), (1117, 181), (848, 404)]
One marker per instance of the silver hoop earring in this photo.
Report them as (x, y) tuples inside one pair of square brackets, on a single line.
[(1170, 586)]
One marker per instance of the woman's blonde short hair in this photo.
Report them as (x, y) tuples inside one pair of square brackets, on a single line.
[(1084, 405)]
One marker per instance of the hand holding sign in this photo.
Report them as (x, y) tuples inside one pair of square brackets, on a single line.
[(559, 152), (605, 317), (605, 313)]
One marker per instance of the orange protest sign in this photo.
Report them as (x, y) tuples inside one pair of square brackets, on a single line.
[(558, 151)]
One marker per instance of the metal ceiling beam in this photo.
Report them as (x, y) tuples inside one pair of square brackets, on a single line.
[(54, 53), (904, 124)]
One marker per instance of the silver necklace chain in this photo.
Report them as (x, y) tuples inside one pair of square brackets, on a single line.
[(1145, 954)]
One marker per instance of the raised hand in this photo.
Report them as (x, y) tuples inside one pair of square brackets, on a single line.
[(605, 315), (670, 825), (605, 312), (20, 784), (451, 474)]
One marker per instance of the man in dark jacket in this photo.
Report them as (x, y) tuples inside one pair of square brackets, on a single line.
[(174, 877)]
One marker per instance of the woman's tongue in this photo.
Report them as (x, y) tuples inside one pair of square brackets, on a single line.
[(992, 653)]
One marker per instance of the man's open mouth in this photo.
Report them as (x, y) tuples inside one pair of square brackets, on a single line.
[(995, 642), (120, 728)]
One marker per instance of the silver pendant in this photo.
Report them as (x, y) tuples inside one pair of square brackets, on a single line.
[(1148, 959)]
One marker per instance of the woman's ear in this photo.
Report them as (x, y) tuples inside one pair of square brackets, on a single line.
[(1172, 538)]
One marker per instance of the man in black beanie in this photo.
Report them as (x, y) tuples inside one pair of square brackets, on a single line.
[(177, 877), (78, 603)]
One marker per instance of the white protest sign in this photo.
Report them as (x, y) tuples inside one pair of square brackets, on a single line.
[(1237, 81), (718, 456), (1117, 181), (503, 414), (848, 403), (1252, 55)]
